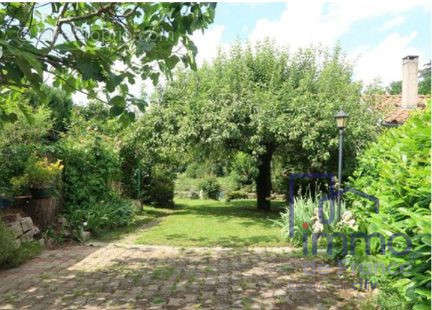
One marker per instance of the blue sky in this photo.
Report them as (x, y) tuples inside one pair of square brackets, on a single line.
[(375, 34)]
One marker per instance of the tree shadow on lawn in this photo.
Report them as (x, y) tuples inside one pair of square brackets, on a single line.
[(243, 211), (229, 241), (239, 209)]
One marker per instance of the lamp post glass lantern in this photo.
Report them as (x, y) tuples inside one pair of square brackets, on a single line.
[(341, 119), (341, 122)]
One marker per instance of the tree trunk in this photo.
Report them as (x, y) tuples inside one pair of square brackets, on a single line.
[(263, 180)]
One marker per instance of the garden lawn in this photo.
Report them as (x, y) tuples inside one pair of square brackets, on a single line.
[(213, 223)]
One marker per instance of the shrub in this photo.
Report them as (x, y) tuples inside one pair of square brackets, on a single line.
[(158, 187), (148, 161), (195, 170), (38, 173), (243, 169), (233, 195), (396, 169), (7, 244), (91, 165), (210, 187), (304, 212), (91, 168), (19, 141), (100, 216), (12, 254), (60, 105)]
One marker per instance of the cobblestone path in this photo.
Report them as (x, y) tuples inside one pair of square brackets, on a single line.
[(124, 276)]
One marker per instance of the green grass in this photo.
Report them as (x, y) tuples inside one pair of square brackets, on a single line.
[(119, 232), (213, 223), (25, 252)]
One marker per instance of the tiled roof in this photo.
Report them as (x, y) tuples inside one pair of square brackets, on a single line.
[(390, 106), (397, 117)]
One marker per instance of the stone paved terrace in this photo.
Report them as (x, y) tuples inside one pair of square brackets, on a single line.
[(124, 276)]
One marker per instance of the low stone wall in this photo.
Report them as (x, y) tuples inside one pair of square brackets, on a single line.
[(22, 228)]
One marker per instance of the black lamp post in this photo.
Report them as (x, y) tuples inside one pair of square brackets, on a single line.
[(341, 120)]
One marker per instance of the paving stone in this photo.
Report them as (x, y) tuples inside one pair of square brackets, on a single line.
[(111, 277)]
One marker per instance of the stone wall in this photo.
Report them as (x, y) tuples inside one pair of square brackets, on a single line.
[(22, 228)]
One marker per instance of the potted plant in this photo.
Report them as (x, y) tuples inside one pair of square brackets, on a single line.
[(39, 177)]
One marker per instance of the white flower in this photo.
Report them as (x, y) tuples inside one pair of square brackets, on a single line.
[(318, 227), (347, 216), (85, 224)]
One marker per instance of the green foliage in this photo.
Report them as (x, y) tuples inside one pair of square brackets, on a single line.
[(91, 170), (396, 169), (425, 80), (135, 35), (202, 169), (158, 187), (211, 188), (91, 164), (262, 101), (148, 159), (58, 102), (395, 88), (195, 170), (38, 173), (97, 116), (7, 244), (243, 169), (235, 195), (304, 212), (19, 141), (11, 254), (101, 215), (25, 252)]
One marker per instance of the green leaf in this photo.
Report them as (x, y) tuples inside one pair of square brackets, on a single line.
[(118, 105)]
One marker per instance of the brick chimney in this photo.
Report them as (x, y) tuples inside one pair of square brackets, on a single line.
[(409, 82)]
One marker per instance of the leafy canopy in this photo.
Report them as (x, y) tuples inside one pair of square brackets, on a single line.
[(85, 45), (258, 97), (396, 169)]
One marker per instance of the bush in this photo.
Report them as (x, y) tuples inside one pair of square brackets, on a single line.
[(38, 173), (158, 187), (243, 169), (91, 169), (91, 166), (11, 254), (100, 216), (396, 169), (19, 141), (7, 244), (60, 105), (233, 195), (148, 164), (211, 188), (304, 213)]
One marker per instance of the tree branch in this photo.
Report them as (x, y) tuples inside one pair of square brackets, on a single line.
[(87, 16), (58, 26)]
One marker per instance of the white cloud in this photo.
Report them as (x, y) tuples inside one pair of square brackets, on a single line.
[(392, 23), (307, 22), (312, 22), (384, 61), (208, 43)]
